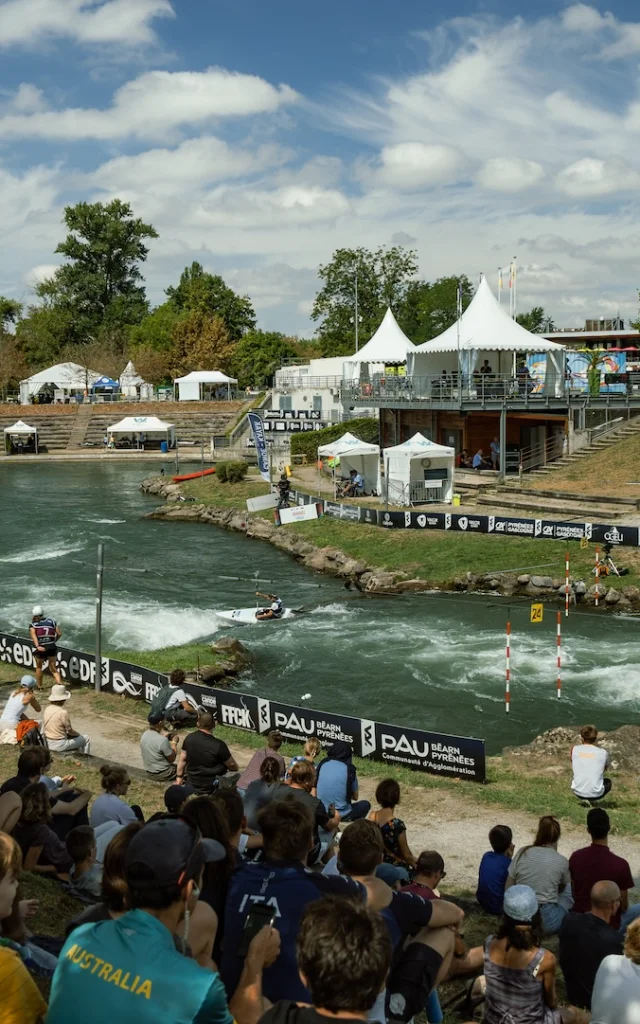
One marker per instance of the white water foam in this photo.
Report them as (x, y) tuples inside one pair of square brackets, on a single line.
[(332, 609), (106, 522), (38, 554)]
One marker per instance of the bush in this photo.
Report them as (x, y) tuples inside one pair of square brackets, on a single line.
[(231, 472), (366, 428), (221, 471)]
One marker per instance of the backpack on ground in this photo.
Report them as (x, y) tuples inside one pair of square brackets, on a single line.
[(28, 734)]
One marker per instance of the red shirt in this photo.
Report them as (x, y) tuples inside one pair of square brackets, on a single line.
[(593, 864), (420, 890)]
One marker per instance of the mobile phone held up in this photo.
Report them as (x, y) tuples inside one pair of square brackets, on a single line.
[(261, 914)]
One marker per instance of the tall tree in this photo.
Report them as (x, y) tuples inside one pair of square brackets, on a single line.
[(157, 329), (13, 365), (10, 310), (383, 279), (42, 334), (257, 356), (201, 342), (536, 321), (432, 306), (208, 293)]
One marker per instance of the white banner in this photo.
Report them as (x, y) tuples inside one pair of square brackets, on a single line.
[(298, 513), (261, 502)]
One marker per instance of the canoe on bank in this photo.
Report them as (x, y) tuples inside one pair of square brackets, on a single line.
[(193, 476)]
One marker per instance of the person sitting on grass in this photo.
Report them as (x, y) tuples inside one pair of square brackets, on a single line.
[(252, 771), (20, 999), (589, 763), (159, 751), (179, 710), (337, 783), (10, 810), (59, 733), (85, 876), (42, 850), (312, 749), (393, 830), (244, 841), (546, 871), (109, 806), (21, 704), (494, 868), (113, 890), (204, 759), (206, 815), (616, 989), (597, 863), (343, 956), (68, 805), (586, 939), (259, 792), (326, 820)]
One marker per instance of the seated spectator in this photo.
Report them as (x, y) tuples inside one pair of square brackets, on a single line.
[(206, 815), (252, 771), (29, 770), (463, 460), (259, 792), (351, 487), (547, 872), (519, 981), (589, 763), (242, 839), (616, 990), (109, 806), (337, 783), (478, 461), (586, 939), (394, 830), (43, 852), (494, 868), (312, 749), (175, 800), (179, 710), (325, 824), (203, 758), (158, 751), (68, 805), (10, 808), (113, 890), (58, 731), (20, 998), (343, 954), (85, 876), (596, 863), (39, 953), (136, 954), (21, 704)]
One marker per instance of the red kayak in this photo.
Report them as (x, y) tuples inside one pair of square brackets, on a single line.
[(193, 476)]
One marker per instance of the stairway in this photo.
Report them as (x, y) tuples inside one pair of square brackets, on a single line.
[(80, 424), (631, 428), (53, 431)]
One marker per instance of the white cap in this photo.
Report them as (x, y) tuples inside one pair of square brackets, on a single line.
[(37, 610)]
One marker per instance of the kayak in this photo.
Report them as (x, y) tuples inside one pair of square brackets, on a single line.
[(193, 476), (245, 616)]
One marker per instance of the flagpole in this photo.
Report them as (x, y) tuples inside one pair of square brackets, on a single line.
[(499, 286), (515, 287)]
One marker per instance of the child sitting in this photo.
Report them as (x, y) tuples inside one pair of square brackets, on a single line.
[(85, 876), (494, 867)]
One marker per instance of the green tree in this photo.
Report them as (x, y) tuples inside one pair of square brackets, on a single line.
[(201, 342), (383, 279), (42, 334), (430, 307), (257, 356), (157, 329), (208, 293), (536, 321), (10, 311)]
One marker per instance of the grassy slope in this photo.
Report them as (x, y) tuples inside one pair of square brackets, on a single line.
[(606, 473), (223, 495)]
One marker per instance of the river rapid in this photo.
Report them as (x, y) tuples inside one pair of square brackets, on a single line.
[(433, 661)]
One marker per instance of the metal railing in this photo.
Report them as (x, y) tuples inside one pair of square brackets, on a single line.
[(538, 455), (296, 381), (453, 387)]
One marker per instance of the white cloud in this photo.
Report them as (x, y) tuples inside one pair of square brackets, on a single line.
[(414, 165), (592, 177), (126, 22), (39, 274), (583, 18), (274, 209), (155, 105), (27, 99), (508, 174)]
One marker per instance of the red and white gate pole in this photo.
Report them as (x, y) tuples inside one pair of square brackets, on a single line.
[(597, 575), (559, 654), (566, 584), (507, 689)]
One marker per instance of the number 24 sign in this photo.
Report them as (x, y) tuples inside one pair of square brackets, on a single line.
[(537, 612)]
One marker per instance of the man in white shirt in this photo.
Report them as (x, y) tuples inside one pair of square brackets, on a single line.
[(589, 762)]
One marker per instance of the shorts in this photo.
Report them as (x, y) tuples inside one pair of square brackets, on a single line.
[(411, 980), (51, 651)]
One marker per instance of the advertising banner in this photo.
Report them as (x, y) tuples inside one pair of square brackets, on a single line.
[(257, 430), (297, 514)]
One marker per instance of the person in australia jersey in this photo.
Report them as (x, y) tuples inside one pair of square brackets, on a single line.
[(45, 633)]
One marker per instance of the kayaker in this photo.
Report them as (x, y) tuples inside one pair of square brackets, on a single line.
[(274, 611)]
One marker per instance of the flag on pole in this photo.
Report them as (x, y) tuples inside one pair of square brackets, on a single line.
[(257, 429), (499, 285), (459, 300)]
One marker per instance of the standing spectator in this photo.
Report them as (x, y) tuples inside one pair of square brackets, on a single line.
[(325, 825), (252, 771), (394, 830), (312, 749), (589, 763), (110, 806), (585, 940), (58, 731), (45, 634), (203, 758), (259, 792), (20, 706), (21, 1002), (42, 850), (495, 453), (596, 863), (337, 783), (494, 868), (616, 990), (158, 751), (179, 710), (547, 872)]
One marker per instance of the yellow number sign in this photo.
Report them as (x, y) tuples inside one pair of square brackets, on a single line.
[(584, 543), (537, 612)]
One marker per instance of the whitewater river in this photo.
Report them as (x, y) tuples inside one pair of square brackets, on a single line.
[(432, 661)]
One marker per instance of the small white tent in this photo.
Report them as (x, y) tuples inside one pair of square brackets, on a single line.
[(67, 377), (419, 470), (190, 387), (132, 385), (355, 454), (141, 427), (19, 431), (388, 346)]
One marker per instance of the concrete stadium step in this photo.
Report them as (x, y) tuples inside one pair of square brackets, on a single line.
[(556, 508), (80, 424)]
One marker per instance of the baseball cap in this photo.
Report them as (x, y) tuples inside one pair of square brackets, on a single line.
[(37, 610), (175, 796), (520, 903), (169, 852), (155, 717), (28, 682)]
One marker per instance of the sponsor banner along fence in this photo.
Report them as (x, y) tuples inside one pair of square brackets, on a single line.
[(436, 753), (503, 525)]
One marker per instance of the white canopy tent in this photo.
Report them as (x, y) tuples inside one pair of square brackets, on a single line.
[(419, 470), (141, 427), (486, 331), (389, 346), (355, 454), (19, 430), (190, 387), (66, 377), (132, 385)]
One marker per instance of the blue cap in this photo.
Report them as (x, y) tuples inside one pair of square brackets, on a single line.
[(28, 682), (520, 903)]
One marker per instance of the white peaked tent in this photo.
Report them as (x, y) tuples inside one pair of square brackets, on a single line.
[(486, 331), (132, 384), (20, 430), (388, 346), (190, 386), (149, 426), (419, 470), (355, 454), (63, 377)]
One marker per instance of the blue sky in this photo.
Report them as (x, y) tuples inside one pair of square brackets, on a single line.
[(258, 137)]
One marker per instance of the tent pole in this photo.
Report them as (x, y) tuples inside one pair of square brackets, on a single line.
[(503, 444)]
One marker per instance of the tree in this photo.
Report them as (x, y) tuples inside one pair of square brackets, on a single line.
[(383, 279), (43, 333), (152, 364), (157, 329), (10, 311), (13, 365), (201, 342), (536, 321), (430, 307), (199, 290), (257, 356)]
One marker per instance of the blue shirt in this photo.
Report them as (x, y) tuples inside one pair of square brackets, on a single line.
[(130, 970), (109, 807), (476, 462), (332, 786), (287, 887), (492, 878), (358, 481)]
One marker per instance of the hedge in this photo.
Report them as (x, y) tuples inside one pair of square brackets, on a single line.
[(366, 428), (231, 472)]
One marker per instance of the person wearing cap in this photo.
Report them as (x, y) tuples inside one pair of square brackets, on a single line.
[(129, 968), (58, 731), (158, 751), (175, 797), (20, 705), (44, 633)]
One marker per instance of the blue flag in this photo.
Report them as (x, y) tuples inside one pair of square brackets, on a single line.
[(257, 430)]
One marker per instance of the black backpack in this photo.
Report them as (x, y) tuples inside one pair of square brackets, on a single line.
[(162, 698)]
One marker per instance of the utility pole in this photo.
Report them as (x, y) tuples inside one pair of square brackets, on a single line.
[(99, 575), (202, 456), (357, 318)]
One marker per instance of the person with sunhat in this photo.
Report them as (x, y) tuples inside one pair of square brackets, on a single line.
[(58, 731), (45, 633), (129, 968)]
